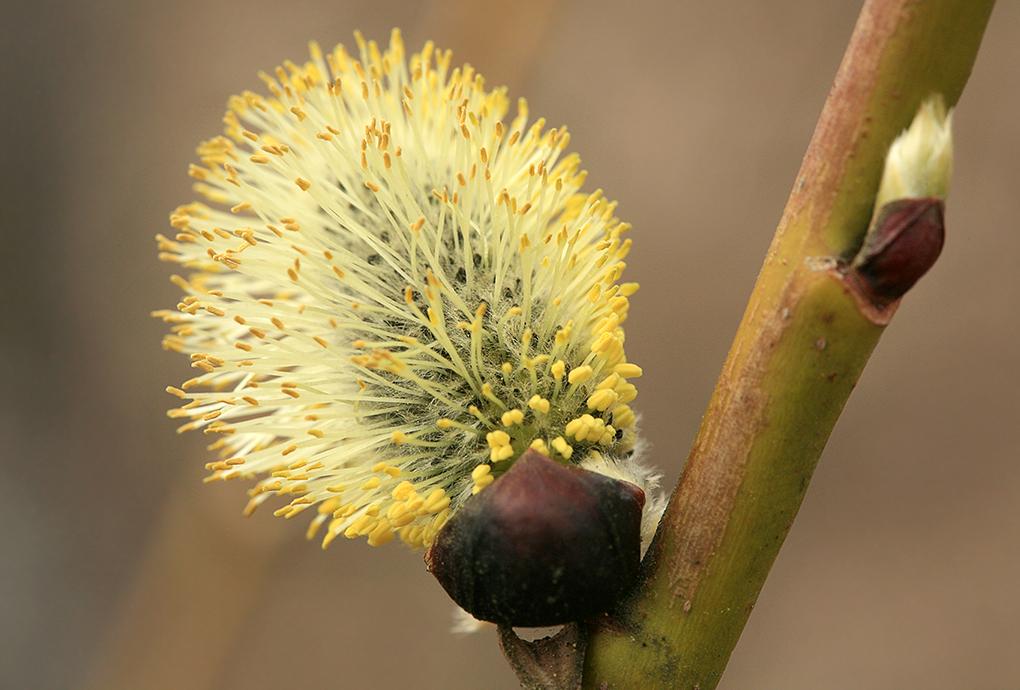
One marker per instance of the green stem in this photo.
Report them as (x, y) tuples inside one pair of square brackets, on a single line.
[(803, 343)]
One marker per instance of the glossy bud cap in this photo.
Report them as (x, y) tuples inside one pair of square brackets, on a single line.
[(545, 544), (904, 243)]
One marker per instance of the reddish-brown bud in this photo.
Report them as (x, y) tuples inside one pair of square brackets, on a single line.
[(545, 544), (904, 242)]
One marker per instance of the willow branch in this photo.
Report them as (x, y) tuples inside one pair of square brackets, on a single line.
[(802, 345)]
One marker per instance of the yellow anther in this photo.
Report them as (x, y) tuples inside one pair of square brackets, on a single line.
[(619, 304), (601, 400), (512, 417), (596, 431), (481, 477), (345, 511), (626, 393), (382, 534), (403, 492), (330, 536), (608, 324), (562, 447), (627, 370), (603, 342), (329, 505), (623, 416), (558, 369), (358, 525), (579, 374), (497, 439), (372, 483), (608, 436), (398, 437), (412, 536), (539, 404), (563, 335), (436, 502), (578, 428)]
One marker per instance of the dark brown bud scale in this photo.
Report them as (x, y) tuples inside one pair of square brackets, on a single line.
[(903, 244), (545, 544)]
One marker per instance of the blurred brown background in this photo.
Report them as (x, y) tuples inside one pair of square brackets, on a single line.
[(118, 569)]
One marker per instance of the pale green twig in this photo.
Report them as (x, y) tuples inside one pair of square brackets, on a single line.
[(799, 351)]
